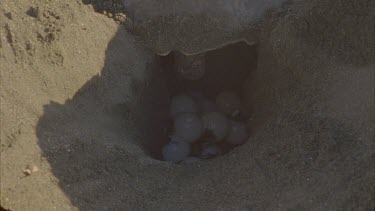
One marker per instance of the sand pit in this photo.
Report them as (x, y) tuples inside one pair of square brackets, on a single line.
[(86, 88)]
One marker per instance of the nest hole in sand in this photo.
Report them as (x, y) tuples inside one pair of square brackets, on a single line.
[(227, 69)]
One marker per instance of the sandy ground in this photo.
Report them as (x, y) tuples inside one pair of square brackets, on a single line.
[(79, 91)]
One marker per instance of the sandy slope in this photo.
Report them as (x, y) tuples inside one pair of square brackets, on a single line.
[(79, 91)]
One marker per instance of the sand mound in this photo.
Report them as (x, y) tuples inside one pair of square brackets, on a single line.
[(85, 95)]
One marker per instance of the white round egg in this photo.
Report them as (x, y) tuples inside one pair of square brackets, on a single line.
[(237, 133), (228, 103), (217, 124), (182, 104), (188, 126), (176, 151)]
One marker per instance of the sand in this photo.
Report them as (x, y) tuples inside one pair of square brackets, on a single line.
[(83, 96)]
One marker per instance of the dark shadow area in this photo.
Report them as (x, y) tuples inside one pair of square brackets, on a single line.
[(143, 109), (227, 69), (109, 121), (102, 143), (122, 113)]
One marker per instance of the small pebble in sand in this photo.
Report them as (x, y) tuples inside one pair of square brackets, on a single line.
[(237, 133), (27, 172), (217, 124), (34, 169), (30, 170), (176, 151), (182, 104), (188, 126), (228, 103)]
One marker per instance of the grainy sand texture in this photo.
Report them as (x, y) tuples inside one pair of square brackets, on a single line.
[(84, 96)]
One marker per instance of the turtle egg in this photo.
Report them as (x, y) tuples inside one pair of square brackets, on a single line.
[(188, 126), (228, 103), (237, 133), (182, 104), (176, 151), (210, 151), (217, 124)]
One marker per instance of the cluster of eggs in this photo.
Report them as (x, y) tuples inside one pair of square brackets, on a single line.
[(198, 121)]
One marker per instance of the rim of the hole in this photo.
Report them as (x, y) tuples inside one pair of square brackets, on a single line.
[(243, 42)]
